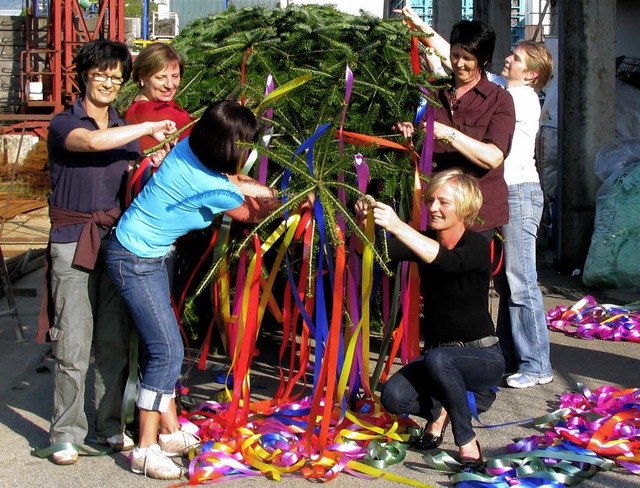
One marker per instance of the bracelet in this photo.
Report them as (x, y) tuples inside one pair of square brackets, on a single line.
[(451, 136)]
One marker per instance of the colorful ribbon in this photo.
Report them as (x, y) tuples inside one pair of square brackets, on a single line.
[(588, 320)]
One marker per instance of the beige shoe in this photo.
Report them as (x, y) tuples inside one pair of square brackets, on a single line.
[(153, 463), (65, 457), (178, 443), (118, 442)]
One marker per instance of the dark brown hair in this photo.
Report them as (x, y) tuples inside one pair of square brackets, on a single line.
[(215, 136)]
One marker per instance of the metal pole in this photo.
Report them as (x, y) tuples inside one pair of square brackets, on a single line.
[(145, 20)]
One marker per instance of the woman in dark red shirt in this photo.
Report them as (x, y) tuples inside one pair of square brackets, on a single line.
[(474, 126)]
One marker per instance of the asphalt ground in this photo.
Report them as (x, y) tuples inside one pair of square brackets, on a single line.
[(26, 401)]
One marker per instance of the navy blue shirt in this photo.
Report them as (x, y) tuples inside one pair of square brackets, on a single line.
[(85, 181)]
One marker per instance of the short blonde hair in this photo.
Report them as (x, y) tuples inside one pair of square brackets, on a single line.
[(153, 59), (467, 197), (540, 60)]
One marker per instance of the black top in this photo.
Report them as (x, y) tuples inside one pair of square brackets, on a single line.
[(455, 289)]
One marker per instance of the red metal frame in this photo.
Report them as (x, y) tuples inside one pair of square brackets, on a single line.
[(52, 39)]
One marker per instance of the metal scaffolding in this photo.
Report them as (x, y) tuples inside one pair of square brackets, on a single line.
[(54, 31)]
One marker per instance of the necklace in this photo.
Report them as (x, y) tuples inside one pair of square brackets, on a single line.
[(453, 98)]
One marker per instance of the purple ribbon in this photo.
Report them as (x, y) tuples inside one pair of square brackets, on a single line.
[(268, 114)]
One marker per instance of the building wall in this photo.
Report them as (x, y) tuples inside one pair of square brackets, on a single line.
[(11, 30), (190, 10), (627, 19), (353, 7)]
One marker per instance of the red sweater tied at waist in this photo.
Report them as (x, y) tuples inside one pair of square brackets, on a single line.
[(89, 242)]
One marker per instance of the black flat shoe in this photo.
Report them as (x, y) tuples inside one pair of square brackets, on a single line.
[(429, 441)]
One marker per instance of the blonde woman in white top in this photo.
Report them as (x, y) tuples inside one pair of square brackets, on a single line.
[(522, 325)]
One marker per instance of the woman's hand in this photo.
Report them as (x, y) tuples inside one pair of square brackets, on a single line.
[(361, 208), (162, 129), (158, 156), (413, 20), (307, 203), (433, 40), (441, 131), (385, 217), (406, 128)]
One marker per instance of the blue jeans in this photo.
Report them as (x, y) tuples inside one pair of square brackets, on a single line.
[(144, 285), (440, 379), (522, 326)]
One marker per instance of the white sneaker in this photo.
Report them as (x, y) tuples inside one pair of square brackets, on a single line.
[(178, 443), (65, 457), (118, 442), (153, 463), (523, 380)]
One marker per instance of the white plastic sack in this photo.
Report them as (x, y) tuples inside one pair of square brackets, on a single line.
[(627, 110), (616, 156)]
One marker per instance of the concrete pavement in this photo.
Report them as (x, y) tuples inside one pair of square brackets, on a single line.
[(26, 398)]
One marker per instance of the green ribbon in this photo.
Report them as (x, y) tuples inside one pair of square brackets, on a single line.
[(531, 464), (380, 455)]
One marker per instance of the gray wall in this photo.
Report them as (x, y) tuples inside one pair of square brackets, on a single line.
[(189, 10), (627, 17), (11, 29)]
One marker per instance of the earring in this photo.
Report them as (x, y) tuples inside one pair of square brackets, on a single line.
[(142, 84)]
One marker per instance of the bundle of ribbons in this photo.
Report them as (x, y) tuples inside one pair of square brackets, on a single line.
[(340, 426), (587, 319), (591, 431)]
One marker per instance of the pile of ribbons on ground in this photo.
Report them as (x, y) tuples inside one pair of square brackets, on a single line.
[(591, 431), (586, 319)]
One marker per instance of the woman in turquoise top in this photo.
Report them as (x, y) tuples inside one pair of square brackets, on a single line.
[(196, 181)]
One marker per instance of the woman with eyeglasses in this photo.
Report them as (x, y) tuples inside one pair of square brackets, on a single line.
[(91, 150)]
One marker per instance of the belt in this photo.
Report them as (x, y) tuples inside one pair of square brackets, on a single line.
[(477, 344)]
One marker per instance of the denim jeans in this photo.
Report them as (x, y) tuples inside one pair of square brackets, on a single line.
[(522, 326), (144, 285), (88, 309), (440, 379)]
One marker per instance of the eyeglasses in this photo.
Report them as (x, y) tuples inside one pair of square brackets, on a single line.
[(101, 78)]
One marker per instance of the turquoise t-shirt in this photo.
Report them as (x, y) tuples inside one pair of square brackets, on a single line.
[(183, 195)]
